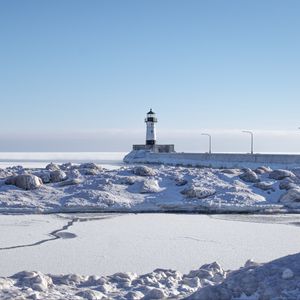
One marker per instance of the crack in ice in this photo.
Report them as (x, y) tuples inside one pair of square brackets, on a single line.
[(56, 233)]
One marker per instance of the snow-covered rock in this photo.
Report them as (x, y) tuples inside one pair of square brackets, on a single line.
[(180, 181), (291, 196), (45, 176), (155, 293), (90, 169), (58, 176), (150, 186), (91, 295), (265, 186), (198, 192), (249, 176), (281, 174), (90, 165), (144, 171), (262, 170), (145, 186), (127, 189), (278, 279), (25, 182), (287, 274), (287, 183), (231, 171), (52, 167), (72, 181)]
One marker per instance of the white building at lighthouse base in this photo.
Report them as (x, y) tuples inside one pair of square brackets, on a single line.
[(155, 148)]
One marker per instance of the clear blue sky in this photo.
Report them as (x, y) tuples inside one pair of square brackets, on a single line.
[(80, 75)]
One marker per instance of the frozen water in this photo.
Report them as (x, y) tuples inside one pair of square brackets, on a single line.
[(140, 243), (41, 159)]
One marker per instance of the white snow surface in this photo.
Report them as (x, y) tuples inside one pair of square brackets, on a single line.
[(109, 243), (278, 279), (148, 188), (123, 241)]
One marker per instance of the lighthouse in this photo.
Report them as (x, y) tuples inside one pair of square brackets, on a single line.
[(150, 121), (151, 144)]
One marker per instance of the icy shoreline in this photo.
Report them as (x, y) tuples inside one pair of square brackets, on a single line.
[(278, 279), (91, 188)]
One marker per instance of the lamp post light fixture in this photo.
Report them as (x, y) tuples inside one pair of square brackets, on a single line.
[(209, 140), (252, 138)]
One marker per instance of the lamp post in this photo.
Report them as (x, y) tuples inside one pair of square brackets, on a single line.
[(209, 139), (252, 138)]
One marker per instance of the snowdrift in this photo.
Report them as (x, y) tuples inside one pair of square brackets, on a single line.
[(278, 279)]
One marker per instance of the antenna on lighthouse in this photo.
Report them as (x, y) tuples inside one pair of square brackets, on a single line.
[(150, 121)]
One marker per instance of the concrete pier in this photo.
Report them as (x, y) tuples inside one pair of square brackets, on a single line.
[(216, 160)]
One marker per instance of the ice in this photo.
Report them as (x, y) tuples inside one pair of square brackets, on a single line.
[(139, 243)]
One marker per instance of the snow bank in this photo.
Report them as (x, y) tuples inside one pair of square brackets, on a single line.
[(88, 187), (278, 279)]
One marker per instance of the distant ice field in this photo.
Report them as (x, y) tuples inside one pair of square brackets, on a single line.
[(41, 159), (105, 244)]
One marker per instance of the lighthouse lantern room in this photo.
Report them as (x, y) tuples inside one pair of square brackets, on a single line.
[(150, 121)]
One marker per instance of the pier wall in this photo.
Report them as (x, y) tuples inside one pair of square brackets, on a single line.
[(216, 160)]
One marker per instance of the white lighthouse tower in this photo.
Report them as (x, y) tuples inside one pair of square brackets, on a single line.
[(150, 121), (151, 144)]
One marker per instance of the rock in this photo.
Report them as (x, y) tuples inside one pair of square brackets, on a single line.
[(292, 195), (89, 172), (281, 174), (11, 180), (66, 166), (249, 176), (144, 171), (287, 274), (45, 176), (90, 166), (72, 181), (74, 173), (278, 279), (230, 171), (155, 294), (91, 295), (134, 295), (5, 283), (52, 167), (179, 181), (262, 170), (265, 186), (127, 180), (90, 169), (193, 282), (250, 263), (58, 176), (35, 280), (198, 192), (25, 182), (287, 184), (150, 186)]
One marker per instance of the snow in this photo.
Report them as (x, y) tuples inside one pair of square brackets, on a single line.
[(277, 279), (103, 244), (89, 187), (131, 246)]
